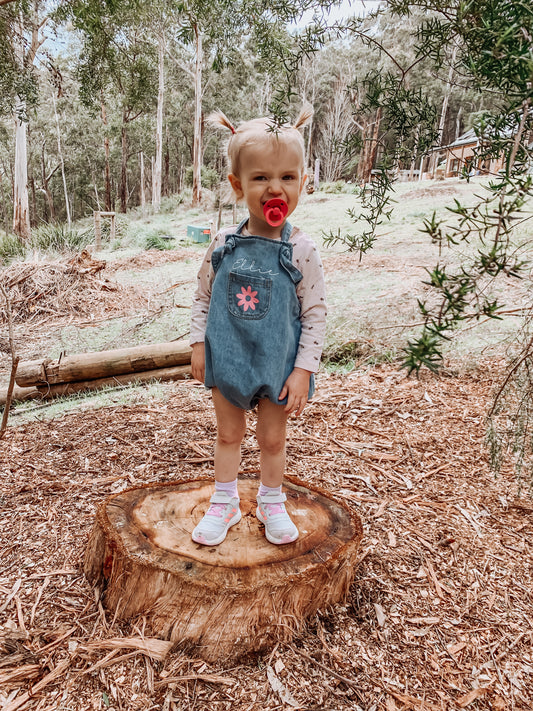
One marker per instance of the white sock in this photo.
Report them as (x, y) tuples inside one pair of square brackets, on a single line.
[(264, 490), (230, 487)]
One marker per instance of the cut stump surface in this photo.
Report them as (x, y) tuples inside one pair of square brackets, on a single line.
[(222, 601)]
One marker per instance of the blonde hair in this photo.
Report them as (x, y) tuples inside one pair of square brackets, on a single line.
[(260, 129)]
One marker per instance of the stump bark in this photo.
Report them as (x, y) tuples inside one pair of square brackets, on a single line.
[(226, 601)]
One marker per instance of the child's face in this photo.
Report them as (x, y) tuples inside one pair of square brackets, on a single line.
[(268, 170)]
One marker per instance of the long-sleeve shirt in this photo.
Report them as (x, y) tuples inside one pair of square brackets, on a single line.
[(311, 293)]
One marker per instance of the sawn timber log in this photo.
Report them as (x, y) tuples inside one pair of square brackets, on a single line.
[(104, 364)]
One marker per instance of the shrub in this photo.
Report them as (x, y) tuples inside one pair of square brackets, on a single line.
[(11, 247), (60, 238), (169, 203), (210, 178), (340, 186), (157, 242)]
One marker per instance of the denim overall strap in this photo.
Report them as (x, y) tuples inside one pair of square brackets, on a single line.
[(253, 325), (285, 255)]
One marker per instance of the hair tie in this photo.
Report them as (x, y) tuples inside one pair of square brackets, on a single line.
[(232, 129)]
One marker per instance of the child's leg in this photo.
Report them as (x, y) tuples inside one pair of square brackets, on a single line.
[(224, 510), (271, 435), (231, 428)]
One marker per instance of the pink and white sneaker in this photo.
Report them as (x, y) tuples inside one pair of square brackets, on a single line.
[(222, 514), (279, 528)]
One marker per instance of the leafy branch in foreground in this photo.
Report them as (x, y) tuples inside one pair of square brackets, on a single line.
[(489, 225), (375, 198), (494, 55)]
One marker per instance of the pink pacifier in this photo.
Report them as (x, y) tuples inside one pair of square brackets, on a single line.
[(275, 211)]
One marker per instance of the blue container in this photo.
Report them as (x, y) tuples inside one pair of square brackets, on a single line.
[(199, 234)]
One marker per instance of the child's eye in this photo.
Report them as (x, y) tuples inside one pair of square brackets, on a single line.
[(259, 177), (289, 177)]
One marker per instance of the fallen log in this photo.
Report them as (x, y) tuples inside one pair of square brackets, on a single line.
[(48, 392), (90, 366), (220, 603), (19, 394)]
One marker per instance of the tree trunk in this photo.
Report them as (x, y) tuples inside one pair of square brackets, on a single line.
[(124, 166), (372, 148), (21, 207), (107, 171), (458, 123), (414, 155), (316, 176), (142, 192), (156, 177), (363, 153), (197, 140), (88, 366), (165, 189), (33, 193), (443, 114), (223, 602), (62, 162), (46, 179)]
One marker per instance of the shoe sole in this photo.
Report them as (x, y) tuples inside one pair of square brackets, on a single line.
[(202, 541), (276, 541)]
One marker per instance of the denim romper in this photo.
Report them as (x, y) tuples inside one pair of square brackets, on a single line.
[(253, 325)]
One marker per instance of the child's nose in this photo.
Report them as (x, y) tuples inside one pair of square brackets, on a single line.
[(275, 187)]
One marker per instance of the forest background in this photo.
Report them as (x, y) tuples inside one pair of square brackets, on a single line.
[(95, 84)]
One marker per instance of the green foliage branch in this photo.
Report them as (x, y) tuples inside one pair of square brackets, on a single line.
[(18, 86), (491, 44), (495, 55)]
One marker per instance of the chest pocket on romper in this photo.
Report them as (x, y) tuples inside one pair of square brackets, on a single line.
[(249, 296)]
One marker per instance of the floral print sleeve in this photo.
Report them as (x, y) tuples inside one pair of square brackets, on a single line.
[(311, 292)]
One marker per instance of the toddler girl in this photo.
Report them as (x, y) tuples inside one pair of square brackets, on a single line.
[(258, 322)]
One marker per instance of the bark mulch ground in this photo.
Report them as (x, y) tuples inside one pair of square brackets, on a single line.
[(440, 614)]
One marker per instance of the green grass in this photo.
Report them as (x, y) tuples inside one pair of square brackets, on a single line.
[(126, 395)]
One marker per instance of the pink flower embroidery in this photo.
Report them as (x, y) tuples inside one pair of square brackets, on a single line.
[(247, 299)]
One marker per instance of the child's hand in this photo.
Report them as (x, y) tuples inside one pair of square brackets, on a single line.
[(296, 390), (198, 361)]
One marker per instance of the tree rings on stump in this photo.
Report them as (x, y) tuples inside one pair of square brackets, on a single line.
[(223, 601)]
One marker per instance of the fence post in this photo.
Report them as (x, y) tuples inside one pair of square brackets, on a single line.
[(98, 229)]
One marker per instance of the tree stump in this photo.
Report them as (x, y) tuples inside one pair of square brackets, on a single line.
[(223, 601)]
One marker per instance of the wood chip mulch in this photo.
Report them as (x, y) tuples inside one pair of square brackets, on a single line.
[(440, 614)]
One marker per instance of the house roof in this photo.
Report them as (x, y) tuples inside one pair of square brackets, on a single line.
[(468, 137)]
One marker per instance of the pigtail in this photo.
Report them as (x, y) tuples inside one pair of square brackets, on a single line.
[(217, 118), (305, 115)]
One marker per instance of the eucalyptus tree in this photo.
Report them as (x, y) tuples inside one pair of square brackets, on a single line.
[(116, 60), (324, 81), (220, 26), (23, 25)]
